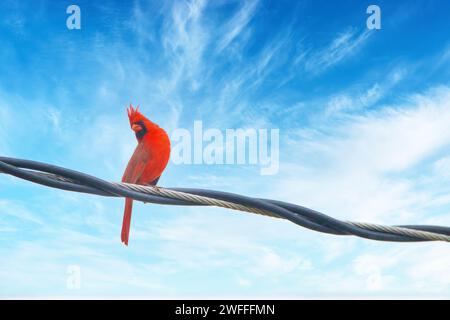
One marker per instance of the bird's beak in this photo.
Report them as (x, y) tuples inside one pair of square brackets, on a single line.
[(136, 128)]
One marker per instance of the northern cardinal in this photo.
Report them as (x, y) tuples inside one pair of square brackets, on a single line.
[(147, 162)]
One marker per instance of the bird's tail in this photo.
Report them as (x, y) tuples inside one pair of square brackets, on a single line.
[(126, 220)]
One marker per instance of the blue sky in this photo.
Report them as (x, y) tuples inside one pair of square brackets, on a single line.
[(364, 135)]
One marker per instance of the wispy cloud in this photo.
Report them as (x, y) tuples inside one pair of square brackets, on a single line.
[(185, 40), (346, 102), (237, 23), (360, 154), (341, 47), (12, 209), (418, 265), (242, 81)]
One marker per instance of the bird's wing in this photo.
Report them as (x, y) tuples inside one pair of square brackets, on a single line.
[(137, 164)]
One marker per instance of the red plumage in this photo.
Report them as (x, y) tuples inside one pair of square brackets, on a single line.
[(147, 162)]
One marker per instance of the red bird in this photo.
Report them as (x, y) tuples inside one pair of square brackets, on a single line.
[(148, 161)]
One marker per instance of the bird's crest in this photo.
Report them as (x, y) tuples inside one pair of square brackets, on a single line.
[(134, 115)]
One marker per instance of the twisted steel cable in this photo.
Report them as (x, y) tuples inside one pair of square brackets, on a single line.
[(70, 180)]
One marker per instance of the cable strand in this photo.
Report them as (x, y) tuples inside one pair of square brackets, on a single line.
[(70, 180)]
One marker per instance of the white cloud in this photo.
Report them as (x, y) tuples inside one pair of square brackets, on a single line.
[(243, 282), (349, 101), (430, 268), (237, 23), (207, 238), (421, 268), (359, 167), (397, 138), (141, 24), (271, 265), (184, 40), (442, 167), (232, 100), (371, 267), (340, 48), (15, 210), (54, 116), (99, 272)]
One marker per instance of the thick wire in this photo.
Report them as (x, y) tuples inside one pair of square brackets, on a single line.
[(70, 180)]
